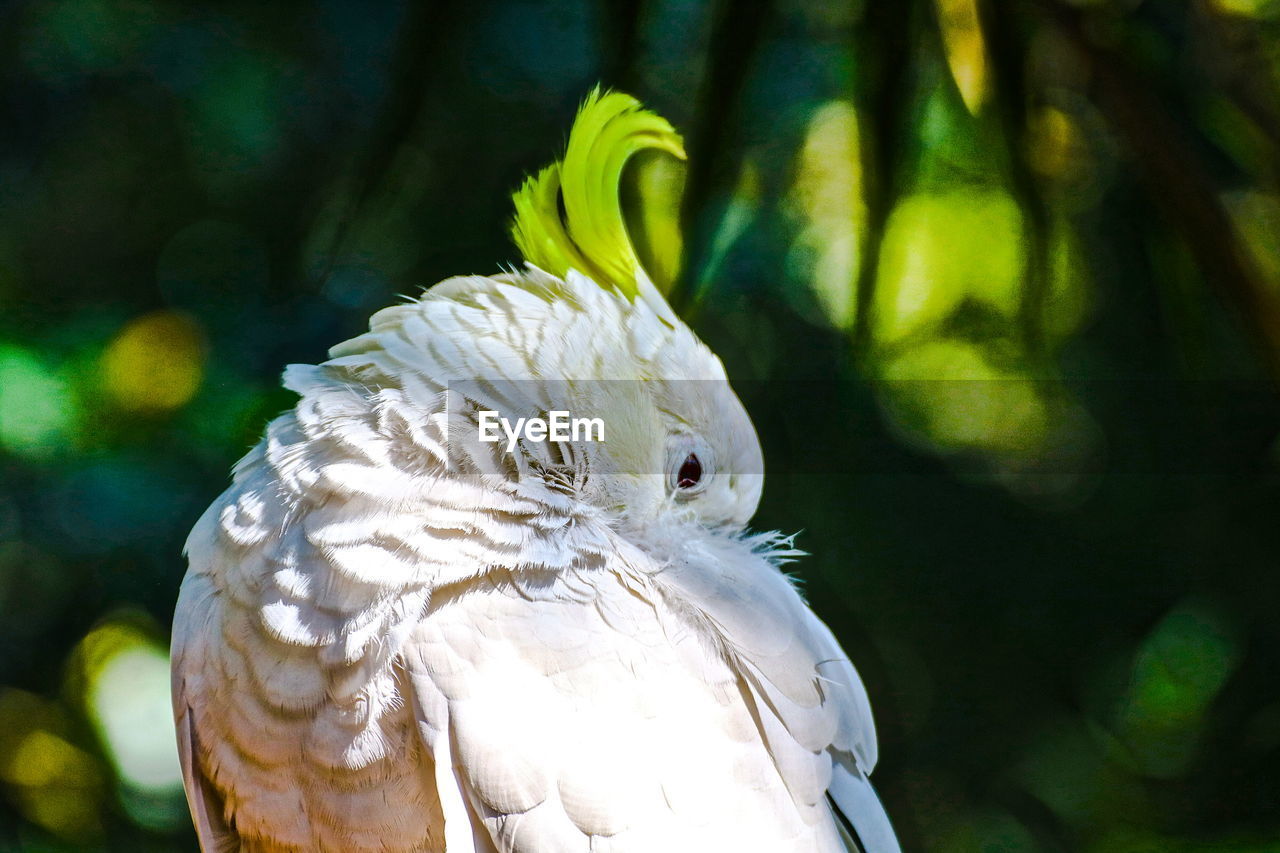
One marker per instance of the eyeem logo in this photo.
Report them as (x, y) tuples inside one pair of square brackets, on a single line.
[(557, 426)]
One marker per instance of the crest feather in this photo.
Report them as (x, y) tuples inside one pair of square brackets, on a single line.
[(569, 215)]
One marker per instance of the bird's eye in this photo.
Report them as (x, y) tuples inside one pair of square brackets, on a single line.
[(689, 467), (690, 473)]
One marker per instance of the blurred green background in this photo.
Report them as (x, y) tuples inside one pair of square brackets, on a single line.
[(999, 281)]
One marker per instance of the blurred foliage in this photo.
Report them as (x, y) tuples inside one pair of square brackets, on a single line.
[(999, 281)]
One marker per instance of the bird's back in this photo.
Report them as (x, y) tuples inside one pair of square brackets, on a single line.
[(293, 729)]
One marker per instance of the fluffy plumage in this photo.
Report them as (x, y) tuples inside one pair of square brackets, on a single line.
[(394, 637)]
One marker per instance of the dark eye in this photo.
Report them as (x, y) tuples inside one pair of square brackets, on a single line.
[(690, 473), (690, 466)]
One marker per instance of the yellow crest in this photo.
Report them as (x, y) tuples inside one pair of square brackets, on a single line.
[(570, 215)]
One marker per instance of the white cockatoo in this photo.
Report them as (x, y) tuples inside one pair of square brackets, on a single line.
[(397, 636)]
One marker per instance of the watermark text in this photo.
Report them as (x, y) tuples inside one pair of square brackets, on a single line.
[(558, 425)]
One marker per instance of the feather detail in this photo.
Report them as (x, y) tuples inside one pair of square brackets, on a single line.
[(590, 235), (857, 804)]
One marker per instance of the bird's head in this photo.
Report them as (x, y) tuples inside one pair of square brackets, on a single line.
[(680, 444), (581, 330)]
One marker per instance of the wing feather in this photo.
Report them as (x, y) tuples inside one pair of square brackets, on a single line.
[(212, 831), (807, 694), (857, 803), (665, 706)]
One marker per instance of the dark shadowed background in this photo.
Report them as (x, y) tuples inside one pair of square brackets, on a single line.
[(999, 282)]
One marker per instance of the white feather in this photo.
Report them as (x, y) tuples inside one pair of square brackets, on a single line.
[(392, 641)]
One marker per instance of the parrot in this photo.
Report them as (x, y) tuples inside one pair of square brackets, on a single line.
[(396, 635)]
